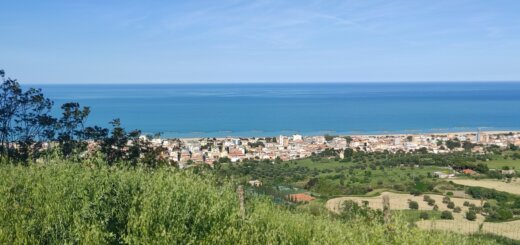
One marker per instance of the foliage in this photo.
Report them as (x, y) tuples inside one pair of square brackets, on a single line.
[(62, 203), (471, 215), (446, 215), (413, 205)]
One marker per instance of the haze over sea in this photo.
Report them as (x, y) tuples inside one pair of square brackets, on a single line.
[(217, 110)]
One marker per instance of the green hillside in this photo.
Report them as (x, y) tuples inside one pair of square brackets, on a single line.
[(63, 203)]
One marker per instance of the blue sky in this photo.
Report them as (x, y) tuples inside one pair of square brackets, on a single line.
[(260, 41)]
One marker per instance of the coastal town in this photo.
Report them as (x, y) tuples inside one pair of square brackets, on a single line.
[(189, 151)]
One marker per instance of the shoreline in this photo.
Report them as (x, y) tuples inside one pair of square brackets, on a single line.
[(466, 132)]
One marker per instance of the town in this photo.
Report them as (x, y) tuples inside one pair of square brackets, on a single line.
[(190, 151)]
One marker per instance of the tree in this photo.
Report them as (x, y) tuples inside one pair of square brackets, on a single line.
[(471, 215), (348, 139), (413, 205), (446, 215), (25, 120), (452, 144), (451, 205), (424, 215), (71, 128)]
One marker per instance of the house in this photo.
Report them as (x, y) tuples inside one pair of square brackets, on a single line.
[(469, 171), (301, 197), (255, 183), (442, 175)]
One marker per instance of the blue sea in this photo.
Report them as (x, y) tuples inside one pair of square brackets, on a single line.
[(216, 110)]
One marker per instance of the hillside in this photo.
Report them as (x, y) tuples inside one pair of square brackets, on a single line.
[(65, 203)]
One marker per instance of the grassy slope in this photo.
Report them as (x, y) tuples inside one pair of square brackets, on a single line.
[(65, 203)]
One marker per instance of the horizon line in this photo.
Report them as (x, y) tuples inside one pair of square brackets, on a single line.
[(281, 83)]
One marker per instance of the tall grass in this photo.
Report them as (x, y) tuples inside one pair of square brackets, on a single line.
[(61, 203)]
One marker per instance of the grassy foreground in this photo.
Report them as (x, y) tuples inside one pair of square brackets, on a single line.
[(66, 203)]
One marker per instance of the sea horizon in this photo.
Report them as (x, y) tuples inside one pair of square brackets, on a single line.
[(268, 109)]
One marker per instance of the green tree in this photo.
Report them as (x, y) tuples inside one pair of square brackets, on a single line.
[(446, 215), (471, 215)]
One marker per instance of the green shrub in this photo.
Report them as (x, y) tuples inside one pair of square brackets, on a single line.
[(451, 205), (413, 205), (431, 202), (446, 200), (424, 215), (446, 215), (466, 203), (457, 210), (471, 216)]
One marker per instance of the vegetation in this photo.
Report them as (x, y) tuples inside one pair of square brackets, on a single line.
[(471, 215), (65, 203), (446, 215)]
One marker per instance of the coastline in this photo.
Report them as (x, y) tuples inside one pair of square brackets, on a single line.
[(396, 134)]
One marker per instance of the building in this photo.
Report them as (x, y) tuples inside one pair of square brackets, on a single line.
[(255, 183), (301, 197)]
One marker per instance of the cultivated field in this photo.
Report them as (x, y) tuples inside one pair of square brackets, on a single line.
[(400, 202), (459, 224), (509, 229), (513, 187)]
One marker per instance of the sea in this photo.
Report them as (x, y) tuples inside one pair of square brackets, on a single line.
[(257, 110)]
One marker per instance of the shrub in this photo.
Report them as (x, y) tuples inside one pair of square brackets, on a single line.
[(446, 215), (431, 202), (445, 200), (471, 215), (426, 198), (449, 193), (466, 203), (413, 205), (435, 208), (457, 210), (424, 215), (451, 205)]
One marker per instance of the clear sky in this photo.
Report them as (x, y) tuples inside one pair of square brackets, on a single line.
[(218, 41)]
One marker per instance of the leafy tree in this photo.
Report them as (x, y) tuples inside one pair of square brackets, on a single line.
[(413, 205), (446, 215), (424, 215), (451, 205), (471, 215), (25, 120), (71, 128), (452, 144)]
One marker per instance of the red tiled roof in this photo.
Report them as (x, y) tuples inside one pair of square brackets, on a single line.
[(301, 197)]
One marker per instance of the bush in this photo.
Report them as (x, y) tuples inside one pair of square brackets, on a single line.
[(471, 215), (451, 205), (449, 193), (431, 202), (466, 204), (426, 198), (413, 205), (446, 215), (457, 210), (435, 208), (446, 200), (424, 215)]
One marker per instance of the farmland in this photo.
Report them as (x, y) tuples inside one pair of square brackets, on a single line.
[(499, 185)]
